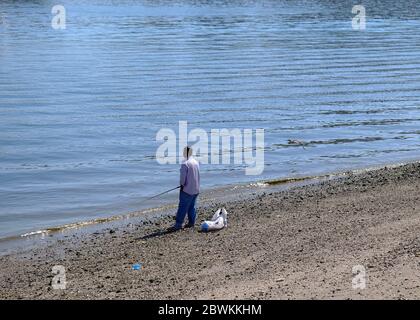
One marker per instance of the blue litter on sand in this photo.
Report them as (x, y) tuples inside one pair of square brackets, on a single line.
[(136, 266), (205, 227)]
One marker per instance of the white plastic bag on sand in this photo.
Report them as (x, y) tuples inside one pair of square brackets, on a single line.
[(217, 222)]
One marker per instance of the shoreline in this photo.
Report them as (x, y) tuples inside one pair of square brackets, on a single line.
[(166, 207), (300, 242)]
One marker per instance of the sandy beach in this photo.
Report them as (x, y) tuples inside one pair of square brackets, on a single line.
[(298, 243)]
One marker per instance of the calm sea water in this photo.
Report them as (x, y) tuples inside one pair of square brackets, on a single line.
[(80, 108)]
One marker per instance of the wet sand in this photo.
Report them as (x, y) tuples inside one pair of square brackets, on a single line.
[(298, 243)]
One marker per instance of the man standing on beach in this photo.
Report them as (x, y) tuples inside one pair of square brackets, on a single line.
[(190, 188)]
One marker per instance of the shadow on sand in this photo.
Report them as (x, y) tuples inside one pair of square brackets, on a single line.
[(157, 234), (165, 232)]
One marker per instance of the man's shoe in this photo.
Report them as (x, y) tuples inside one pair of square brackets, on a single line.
[(173, 229)]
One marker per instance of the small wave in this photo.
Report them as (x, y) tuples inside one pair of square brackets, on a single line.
[(332, 141), (289, 180), (369, 111), (81, 224), (259, 184), (410, 132), (70, 226), (368, 123), (34, 233), (343, 140), (345, 112), (366, 154)]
